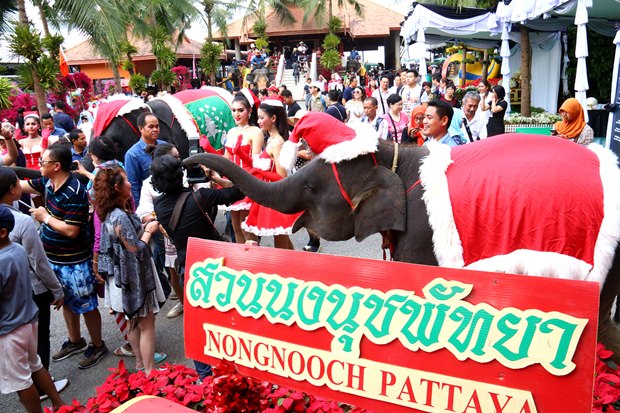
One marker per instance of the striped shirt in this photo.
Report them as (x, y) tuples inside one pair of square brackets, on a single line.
[(69, 204)]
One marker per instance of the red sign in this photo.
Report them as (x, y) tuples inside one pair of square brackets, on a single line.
[(392, 336)]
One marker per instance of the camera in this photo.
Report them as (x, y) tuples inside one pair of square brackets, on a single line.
[(74, 165), (195, 175)]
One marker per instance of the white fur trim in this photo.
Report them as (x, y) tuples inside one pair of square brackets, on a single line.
[(365, 141), (266, 232), (131, 105), (288, 155), (239, 206), (609, 234), (446, 241), (273, 102), (184, 116), (536, 263), (264, 164)]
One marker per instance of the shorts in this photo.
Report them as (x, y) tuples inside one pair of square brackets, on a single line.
[(79, 284), (19, 358)]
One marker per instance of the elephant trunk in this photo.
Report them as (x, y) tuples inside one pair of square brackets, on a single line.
[(275, 195)]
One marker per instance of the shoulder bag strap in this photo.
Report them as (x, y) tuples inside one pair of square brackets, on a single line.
[(205, 214), (466, 123), (395, 137), (176, 213)]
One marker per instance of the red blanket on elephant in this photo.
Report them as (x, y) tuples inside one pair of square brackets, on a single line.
[(520, 203)]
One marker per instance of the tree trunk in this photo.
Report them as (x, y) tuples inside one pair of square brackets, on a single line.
[(46, 29), (117, 78), (485, 64), (130, 67), (39, 93), (526, 70), (21, 11)]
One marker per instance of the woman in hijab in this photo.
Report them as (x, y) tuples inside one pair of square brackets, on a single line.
[(573, 125), (416, 126)]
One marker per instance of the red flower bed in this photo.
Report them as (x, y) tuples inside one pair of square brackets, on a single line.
[(229, 391)]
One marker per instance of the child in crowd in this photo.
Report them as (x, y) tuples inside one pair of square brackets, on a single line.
[(20, 364)]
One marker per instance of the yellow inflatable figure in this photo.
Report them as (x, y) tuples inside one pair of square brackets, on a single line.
[(474, 70)]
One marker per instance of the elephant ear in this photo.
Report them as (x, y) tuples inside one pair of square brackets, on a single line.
[(380, 203)]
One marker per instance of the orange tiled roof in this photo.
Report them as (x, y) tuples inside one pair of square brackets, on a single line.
[(377, 21), (85, 53)]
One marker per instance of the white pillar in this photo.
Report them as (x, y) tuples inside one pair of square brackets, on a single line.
[(581, 52)]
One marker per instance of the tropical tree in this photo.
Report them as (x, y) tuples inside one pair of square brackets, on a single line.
[(103, 22), (7, 8), (318, 8), (26, 42), (215, 15)]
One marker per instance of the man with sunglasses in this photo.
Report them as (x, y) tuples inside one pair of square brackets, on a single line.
[(64, 233)]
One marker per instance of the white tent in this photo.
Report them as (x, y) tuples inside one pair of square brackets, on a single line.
[(546, 18)]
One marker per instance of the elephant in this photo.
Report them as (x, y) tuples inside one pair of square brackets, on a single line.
[(389, 189), (118, 119)]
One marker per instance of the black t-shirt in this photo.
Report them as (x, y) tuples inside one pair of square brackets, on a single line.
[(337, 111), (192, 222)]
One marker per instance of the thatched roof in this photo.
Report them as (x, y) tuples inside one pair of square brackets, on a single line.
[(377, 21)]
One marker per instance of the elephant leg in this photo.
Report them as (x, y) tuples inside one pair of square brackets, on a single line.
[(608, 330)]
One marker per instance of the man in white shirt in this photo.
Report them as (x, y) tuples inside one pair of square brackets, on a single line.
[(381, 94), (411, 92), (398, 85), (370, 113), (474, 125)]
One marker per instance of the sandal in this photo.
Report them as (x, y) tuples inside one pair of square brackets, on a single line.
[(123, 352)]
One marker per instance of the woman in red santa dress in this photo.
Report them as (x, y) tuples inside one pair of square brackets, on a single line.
[(243, 142), (263, 221), (32, 143)]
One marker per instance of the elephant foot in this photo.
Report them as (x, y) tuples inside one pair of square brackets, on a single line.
[(609, 336)]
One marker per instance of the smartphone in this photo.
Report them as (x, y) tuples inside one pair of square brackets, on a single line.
[(553, 131), (75, 165)]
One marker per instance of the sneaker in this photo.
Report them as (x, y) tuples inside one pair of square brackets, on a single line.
[(60, 385), (68, 349), (175, 311), (92, 355), (312, 248)]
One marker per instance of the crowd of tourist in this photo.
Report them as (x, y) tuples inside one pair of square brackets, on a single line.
[(119, 232)]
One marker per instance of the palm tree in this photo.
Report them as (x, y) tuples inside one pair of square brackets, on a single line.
[(27, 43), (103, 22), (318, 8), (6, 9), (215, 14)]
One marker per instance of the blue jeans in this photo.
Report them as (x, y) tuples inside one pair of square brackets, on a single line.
[(203, 369)]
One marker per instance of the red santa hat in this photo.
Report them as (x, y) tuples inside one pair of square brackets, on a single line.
[(250, 96), (31, 114), (329, 139)]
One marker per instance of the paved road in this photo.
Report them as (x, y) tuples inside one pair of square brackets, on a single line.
[(169, 332)]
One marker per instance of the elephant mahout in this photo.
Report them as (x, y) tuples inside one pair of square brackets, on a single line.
[(515, 203)]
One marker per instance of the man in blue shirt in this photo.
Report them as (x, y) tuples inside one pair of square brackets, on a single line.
[(137, 161), (78, 145), (437, 120), (48, 123), (61, 119)]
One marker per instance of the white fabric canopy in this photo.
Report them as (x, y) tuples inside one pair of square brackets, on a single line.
[(614, 90), (546, 51)]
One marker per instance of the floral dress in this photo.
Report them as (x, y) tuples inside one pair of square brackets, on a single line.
[(132, 285)]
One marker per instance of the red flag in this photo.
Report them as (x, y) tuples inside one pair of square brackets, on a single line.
[(64, 67)]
